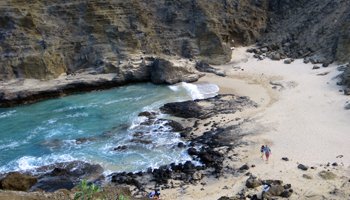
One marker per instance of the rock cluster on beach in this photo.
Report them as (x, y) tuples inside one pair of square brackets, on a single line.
[(206, 147)]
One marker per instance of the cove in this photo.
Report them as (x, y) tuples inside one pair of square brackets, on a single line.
[(89, 126)]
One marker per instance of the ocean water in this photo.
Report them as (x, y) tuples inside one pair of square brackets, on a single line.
[(89, 126)]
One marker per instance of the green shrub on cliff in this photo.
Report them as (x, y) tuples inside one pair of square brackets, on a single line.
[(86, 191)]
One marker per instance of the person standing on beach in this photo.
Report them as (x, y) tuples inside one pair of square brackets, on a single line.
[(267, 152), (262, 151)]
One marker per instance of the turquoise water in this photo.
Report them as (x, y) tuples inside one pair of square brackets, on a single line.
[(49, 131)]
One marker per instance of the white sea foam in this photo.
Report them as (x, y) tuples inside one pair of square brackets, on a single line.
[(197, 91), (30, 162), (9, 145), (75, 115), (117, 101), (7, 114), (65, 109)]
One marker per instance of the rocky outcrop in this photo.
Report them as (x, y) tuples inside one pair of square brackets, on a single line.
[(17, 181), (163, 71), (43, 39), (156, 70), (318, 29), (202, 109), (52, 177)]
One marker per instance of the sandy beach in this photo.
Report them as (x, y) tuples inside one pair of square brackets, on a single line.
[(300, 115)]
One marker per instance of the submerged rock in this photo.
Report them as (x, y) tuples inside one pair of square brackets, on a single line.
[(65, 175)]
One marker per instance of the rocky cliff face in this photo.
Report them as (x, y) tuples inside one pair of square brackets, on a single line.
[(43, 39), (314, 28)]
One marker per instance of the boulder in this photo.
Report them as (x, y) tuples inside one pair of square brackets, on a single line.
[(253, 182), (17, 181), (303, 167), (163, 71)]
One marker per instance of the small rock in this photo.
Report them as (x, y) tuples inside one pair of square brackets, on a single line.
[(285, 159), (325, 64), (334, 164), (287, 186), (250, 50), (347, 91), (181, 145), (347, 106), (306, 60), (264, 49), (307, 176), (288, 61), (197, 176), (226, 198), (120, 148), (286, 193), (276, 56), (244, 167), (303, 167), (315, 67), (327, 175)]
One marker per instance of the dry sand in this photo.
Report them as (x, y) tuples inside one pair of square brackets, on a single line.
[(301, 116)]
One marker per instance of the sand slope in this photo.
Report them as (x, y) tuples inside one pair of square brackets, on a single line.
[(301, 116)]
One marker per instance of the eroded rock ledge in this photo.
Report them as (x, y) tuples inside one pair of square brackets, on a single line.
[(142, 69)]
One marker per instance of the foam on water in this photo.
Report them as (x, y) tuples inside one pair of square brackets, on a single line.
[(198, 90), (7, 114), (27, 163)]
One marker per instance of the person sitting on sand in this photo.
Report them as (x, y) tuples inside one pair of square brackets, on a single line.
[(154, 194), (262, 151), (267, 152)]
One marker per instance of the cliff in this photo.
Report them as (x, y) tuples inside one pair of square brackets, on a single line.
[(43, 39), (310, 28)]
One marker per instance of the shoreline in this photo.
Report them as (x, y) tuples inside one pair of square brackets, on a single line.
[(300, 100), (299, 112)]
